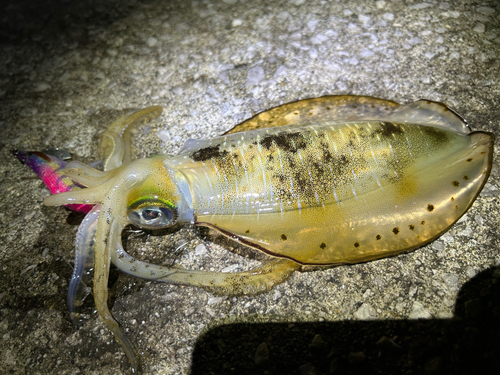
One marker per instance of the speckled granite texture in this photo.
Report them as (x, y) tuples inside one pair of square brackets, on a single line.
[(69, 68)]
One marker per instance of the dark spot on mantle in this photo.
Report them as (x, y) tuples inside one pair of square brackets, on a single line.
[(285, 141), (388, 129), (208, 153)]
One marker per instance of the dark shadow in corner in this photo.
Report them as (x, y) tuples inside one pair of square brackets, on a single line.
[(467, 344)]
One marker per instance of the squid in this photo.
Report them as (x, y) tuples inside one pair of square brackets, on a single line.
[(324, 181)]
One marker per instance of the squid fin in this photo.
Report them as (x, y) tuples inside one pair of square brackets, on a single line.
[(353, 108)]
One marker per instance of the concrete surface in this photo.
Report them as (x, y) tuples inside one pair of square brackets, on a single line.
[(69, 68)]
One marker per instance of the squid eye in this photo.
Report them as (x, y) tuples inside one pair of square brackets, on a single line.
[(152, 217)]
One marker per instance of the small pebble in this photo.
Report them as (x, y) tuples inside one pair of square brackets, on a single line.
[(479, 220), (318, 39), (365, 20), (64, 77), (490, 190), (255, 76), (317, 341), (451, 14), (308, 369), (354, 61), (151, 41), (366, 53), (204, 13), (200, 249), (365, 312), (438, 245), (237, 22), (420, 6), (281, 71), (356, 357), (283, 15), (487, 11), (42, 86), (471, 272), (415, 41), (451, 281), (231, 268), (467, 232), (29, 111), (224, 76), (419, 312), (447, 237), (479, 28), (214, 300), (164, 135), (261, 354), (387, 343), (388, 16), (178, 90), (311, 25)]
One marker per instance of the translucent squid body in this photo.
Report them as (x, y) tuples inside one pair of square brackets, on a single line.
[(325, 181)]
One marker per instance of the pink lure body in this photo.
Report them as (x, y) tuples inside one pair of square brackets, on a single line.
[(50, 170)]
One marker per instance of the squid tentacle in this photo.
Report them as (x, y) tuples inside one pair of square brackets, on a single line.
[(254, 281), (93, 195), (108, 233), (91, 172), (115, 141), (84, 262), (81, 177)]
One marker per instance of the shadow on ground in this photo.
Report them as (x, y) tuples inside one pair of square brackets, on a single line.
[(466, 344)]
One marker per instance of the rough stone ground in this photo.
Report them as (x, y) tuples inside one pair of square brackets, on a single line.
[(69, 68)]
